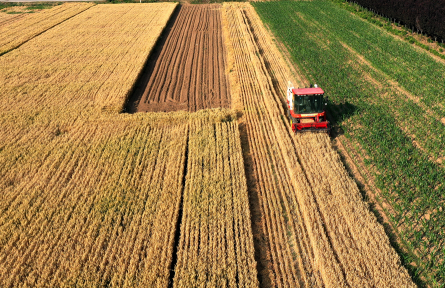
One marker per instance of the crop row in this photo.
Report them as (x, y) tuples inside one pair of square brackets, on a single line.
[(278, 259), (94, 66), (97, 202), (216, 245), (386, 96), (370, 260), (93, 205), (318, 230), (14, 32)]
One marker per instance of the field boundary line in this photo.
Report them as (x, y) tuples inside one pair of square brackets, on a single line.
[(361, 175), (40, 33)]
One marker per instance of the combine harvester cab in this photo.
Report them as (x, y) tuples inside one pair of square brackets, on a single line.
[(306, 109)]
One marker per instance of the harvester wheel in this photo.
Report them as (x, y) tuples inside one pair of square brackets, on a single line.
[(290, 117)]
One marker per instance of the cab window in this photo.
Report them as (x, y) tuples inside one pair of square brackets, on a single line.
[(304, 104)]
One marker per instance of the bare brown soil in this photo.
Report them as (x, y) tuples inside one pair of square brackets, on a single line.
[(188, 73)]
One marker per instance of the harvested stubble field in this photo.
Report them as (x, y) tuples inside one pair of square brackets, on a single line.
[(17, 29), (312, 227), (188, 73)]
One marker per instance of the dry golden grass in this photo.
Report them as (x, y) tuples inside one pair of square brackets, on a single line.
[(74, 200), (320, 233), (17, 29), (90, 61), (216, 215), (92, 199), (96, 202), (78, 186), (6, 18)]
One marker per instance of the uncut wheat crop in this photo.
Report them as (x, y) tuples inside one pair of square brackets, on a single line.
[(21, 28), (95, 203), (94, 66), (216, 243)]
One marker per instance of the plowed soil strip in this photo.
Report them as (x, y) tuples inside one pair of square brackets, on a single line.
[(188, 71)]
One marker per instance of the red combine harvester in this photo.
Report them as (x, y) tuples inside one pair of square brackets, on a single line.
[(306, 109)]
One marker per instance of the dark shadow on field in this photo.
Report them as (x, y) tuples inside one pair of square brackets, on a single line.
[(338, 112), (141, 83), (179, 221)]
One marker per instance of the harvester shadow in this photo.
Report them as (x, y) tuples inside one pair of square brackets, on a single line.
[(138, 89), (337, 113)]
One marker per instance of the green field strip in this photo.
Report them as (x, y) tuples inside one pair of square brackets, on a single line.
[(416, 71), (402, 137)]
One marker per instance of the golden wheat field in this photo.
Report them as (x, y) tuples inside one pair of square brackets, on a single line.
[(14, 32), (92, 197), (94, 66), (97, 203), (8, 17), (75, 191), (73, 205), (216, 214)]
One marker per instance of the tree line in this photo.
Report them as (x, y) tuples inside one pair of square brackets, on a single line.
[(422, 16)]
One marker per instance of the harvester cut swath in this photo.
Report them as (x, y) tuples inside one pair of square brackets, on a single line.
[(314, 230)]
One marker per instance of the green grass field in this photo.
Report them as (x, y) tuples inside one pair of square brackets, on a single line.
[(388, 97)]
